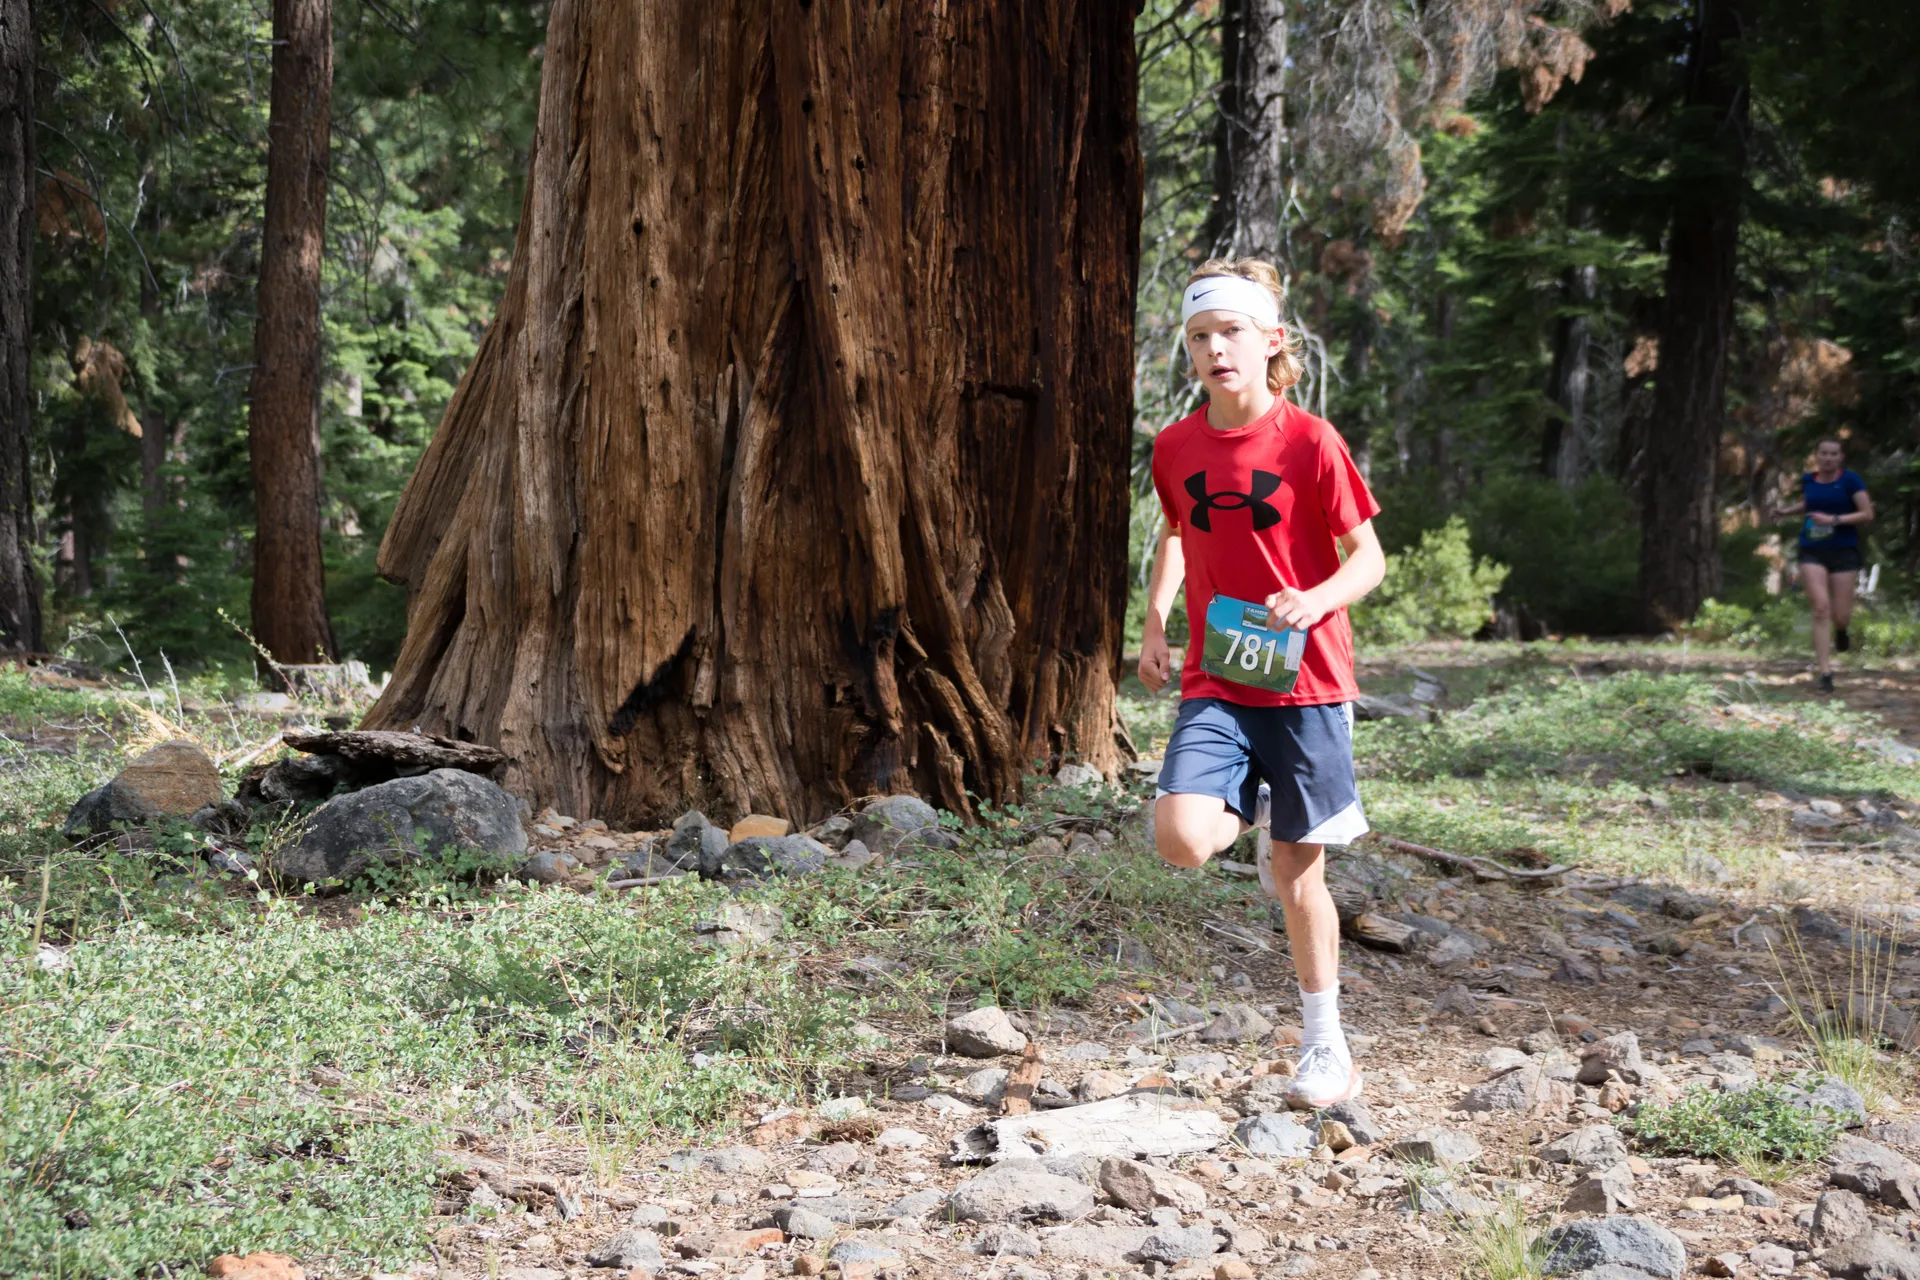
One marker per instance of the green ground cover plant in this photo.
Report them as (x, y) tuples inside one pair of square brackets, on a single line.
[(1761, 1122), (164, 1086)]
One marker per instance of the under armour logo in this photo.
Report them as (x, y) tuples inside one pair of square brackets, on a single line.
[(1265, 514)]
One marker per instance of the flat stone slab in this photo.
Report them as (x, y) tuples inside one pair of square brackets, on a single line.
[(1133, 1125)]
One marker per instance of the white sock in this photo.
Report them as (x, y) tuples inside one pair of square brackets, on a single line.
[(1320, 1016)]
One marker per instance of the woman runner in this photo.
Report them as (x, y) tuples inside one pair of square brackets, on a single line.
[(1835, 504)]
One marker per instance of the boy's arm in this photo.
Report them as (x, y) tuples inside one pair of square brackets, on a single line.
[(1366, 564), (1169, 570)]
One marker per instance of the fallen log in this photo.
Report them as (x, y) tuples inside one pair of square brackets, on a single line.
[(1371, 929), (1485, 868)]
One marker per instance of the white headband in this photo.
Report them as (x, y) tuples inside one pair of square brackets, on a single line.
[(1230, 293)]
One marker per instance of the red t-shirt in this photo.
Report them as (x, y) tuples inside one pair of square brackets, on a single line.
[(1256, 509)]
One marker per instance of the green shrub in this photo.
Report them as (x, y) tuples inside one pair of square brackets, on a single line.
[(166, 1086), (1574, 553), (1434, 589), (1761, 1122)]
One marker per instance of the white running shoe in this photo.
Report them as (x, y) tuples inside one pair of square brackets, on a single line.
[(1325, 1076)]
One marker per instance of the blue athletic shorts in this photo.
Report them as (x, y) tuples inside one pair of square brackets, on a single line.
[(1303, 754)]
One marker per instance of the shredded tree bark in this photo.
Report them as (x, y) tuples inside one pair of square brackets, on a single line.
[(795, 463)]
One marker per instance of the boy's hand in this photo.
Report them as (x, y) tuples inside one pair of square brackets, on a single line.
[(1156, 660), (1297, 609)]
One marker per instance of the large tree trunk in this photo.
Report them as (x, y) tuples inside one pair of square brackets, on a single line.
[(1247, 172), (283, 420), (19, 585), (794, 465), (1680, 533)]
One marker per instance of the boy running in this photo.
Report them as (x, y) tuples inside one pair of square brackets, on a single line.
[(1257, 492)]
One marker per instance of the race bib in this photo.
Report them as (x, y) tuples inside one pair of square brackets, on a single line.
[(1817, 532), (1242, 645)]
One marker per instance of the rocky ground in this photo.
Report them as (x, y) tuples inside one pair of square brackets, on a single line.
[(1500, 1049)]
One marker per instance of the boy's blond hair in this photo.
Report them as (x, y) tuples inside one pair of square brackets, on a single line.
[(1283, 368)]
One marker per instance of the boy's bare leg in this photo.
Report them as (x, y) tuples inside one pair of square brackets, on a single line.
[(1189, 829), (1295, 876), (1298, 882)]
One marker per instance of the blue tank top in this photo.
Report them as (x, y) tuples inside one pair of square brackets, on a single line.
[(1836, 499)]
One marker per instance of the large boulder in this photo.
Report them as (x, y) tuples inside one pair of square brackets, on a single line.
[(1876, 1172), (1633, 1244), (1529, 1090), (695, 842), (984, 1033), (896, 822), (172, 780), (427, 816), (761, 857)]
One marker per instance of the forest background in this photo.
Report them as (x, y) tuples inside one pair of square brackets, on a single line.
[(1477, 245)]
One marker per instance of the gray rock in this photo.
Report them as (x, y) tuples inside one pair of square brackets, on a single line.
[(1005, 1242), (1359, 1121), (1075, 774), (1598, 1146), (1273, 1134), (1606, 1190), (915, 1204), (300, 780), (549, 866), (984, 1033), (762, 857), (1576, 970), (849, 1251), (1084, 1051), (1444, 1195), (835, 1157), (1838, 1216), (1437, 1146), (1771, 1259), (172, 780), (1530, 1089), (895, 822), (1500, 1060), (695, 842), (1634, 1243), (846, 1211), (1235, 1024), (901, 1139), (834, 832), (426, 816), (1873, 1255), (1143, 1187), (1105, 1246), (1876, 1172), (1541, 1044), (730, 1161), (1841, 1099), (804, 1224), (1020, 1191), (629, 1247), (985, 1086), (1201, 1063), (1749, 1191), (1177, 1244), (742, 924), (1618, 1053)]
